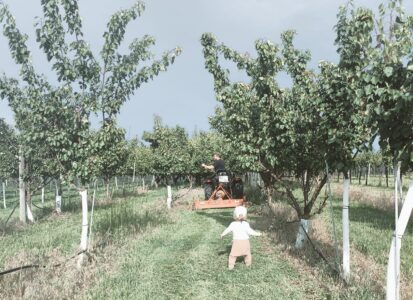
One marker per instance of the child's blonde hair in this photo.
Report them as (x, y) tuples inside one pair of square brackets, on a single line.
[(240, 213)]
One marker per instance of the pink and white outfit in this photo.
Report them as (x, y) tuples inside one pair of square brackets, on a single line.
[(241, 231)]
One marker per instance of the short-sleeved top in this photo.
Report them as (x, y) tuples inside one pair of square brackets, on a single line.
[(219, 165)]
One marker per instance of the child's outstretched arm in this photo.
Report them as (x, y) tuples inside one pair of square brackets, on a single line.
[(251, 231), (226, 231)]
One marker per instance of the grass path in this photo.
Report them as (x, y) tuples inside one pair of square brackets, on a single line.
[(143, 251), (187, 260)]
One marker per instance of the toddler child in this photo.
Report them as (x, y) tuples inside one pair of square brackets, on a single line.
[(241, 231)]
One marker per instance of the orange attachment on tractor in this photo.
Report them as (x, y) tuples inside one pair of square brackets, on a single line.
[(226, 193)]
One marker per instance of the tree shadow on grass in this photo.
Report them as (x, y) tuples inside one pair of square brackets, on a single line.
[(223, 217), (370, 216)]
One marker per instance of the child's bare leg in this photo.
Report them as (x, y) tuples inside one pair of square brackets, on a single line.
[(248, 259), (231, 262)]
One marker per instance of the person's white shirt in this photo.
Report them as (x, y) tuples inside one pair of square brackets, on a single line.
[(241, 230)]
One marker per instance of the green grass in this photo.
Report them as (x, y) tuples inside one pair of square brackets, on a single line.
[(62, 232), (177, 254), (371, 231), (187, 260)]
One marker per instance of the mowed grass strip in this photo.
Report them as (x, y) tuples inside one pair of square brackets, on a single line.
[(187, 260)]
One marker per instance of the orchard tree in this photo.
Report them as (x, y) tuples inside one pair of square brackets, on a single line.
[(276, 130), (384, 74), (391, 82), (140, 159), (8, 155), (112, 152), (387, 91), (8, 151), (86, 86), (170, 148), (344, 115)]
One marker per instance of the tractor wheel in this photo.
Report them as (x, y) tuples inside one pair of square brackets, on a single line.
[(208, 189), (237, 189)]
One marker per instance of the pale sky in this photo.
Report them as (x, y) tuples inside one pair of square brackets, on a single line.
[(184, 94)]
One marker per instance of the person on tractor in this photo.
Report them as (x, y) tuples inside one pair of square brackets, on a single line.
[(218, 165)]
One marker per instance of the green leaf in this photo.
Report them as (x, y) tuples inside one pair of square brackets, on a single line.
[(388, 71)]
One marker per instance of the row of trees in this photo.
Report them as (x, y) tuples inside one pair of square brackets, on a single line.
[(328, 116), (53, 120), (317, 126), (167, 153)]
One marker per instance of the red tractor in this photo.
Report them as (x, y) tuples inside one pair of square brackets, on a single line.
[(222, 191)]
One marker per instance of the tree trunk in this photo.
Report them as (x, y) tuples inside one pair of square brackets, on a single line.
[(107, 181), (22, 189), (4, 194), (301, 235), (116, 183), (134, 172), (85, 228), (368, 173), (360, 176), (43, 195), (386, 171), (169, 199), (143, 183), (380, 175), (268, 185), (191, 181), (346, 229)]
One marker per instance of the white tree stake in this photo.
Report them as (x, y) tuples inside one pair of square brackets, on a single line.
[(43, 195), (393, 265), (58, 204), (301, 236), (169, 199), (91, 215), (116, 182), (4, 195), (134, 170), (22, 189), (29, 213), (85, 227), (399, 184), (346, 230)]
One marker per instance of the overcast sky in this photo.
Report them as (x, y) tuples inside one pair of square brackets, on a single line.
[(184, 94)]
